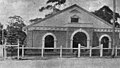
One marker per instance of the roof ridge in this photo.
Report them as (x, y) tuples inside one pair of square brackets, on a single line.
[(67, 9), (94, 16), (51, 15)]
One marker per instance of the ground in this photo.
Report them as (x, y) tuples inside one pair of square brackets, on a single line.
[(63, 63)]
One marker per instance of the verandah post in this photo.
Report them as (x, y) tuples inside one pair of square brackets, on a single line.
[(22, 51), (18, 51), (4, 51), (42, 52), (79, 51), (90, 51), (116, 51), (5, 54), (60, 51), (101, 50)]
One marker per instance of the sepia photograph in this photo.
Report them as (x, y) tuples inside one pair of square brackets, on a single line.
[(59, 34)]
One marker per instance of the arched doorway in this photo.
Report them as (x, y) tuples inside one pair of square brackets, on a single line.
[(79, 38), (105, 42)]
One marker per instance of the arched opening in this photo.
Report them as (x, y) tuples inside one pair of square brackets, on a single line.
[(79, 38), (82, 36), (49, 41), (105, 42)]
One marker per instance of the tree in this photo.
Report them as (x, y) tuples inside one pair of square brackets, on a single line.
[(15, 31), (107, 14), (3, 34), (52, 7)]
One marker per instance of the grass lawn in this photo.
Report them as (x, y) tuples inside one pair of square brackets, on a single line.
[(63, 63)]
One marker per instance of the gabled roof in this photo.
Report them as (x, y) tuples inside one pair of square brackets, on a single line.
[(75, 5)]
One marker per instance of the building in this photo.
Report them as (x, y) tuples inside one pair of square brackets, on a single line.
[(70, 27)]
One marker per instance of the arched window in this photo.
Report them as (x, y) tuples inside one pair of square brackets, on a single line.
[(105, 40), (49, 41)]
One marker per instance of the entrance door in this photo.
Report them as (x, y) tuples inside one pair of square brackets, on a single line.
[(49, 42), (79, 38)]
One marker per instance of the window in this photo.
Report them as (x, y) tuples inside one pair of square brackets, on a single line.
[(74, 18)]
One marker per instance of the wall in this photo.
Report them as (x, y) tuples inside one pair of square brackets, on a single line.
[(38, 35), (60, 35), (72, 30), (97, 35)]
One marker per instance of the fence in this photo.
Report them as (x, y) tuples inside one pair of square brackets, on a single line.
[(5, 46), (77, 52), (62, 52)]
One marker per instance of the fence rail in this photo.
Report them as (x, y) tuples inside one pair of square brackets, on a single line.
[(61, 51)]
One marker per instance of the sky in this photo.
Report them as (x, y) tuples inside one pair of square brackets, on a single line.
[(29, 9)]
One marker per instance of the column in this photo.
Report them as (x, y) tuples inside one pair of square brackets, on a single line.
[(55, 43), (88, 43), (43, 43), (99, 43), (109, 44), (42, 49), (71, 44)]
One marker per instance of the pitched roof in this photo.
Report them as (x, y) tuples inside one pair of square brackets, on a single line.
[(75, 5)]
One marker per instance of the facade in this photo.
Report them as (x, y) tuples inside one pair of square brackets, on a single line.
[(70, 27)]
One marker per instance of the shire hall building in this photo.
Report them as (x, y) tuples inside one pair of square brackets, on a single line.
[(70, 27)]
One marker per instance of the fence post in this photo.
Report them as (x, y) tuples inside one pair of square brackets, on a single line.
[(18, 51), (42, 52), (5, 53), (90, 51), (79, 47), (60, 51), (116, 51), (101, 50), (22, 51)]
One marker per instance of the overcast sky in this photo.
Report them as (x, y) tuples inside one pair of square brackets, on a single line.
[(28, 9)]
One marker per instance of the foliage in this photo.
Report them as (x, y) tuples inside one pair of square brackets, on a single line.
[(59, 2), (16, 22), (107, 14), (35, 20), (3, 34), (56, 3), (14, 30), (11, 50), (52, 7)]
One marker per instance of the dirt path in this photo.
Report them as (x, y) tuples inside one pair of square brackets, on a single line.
[(63, 63)]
